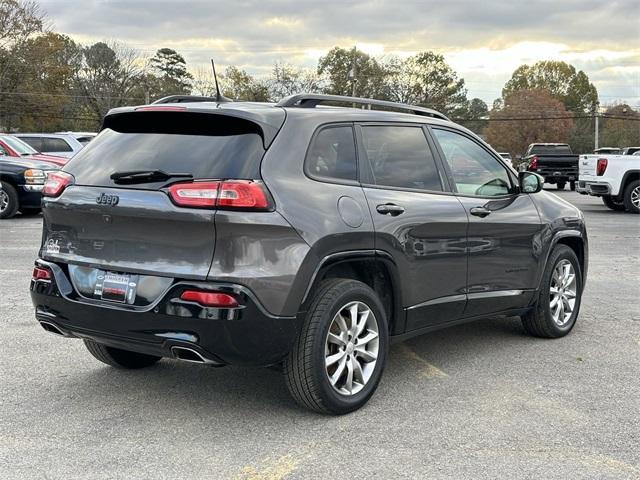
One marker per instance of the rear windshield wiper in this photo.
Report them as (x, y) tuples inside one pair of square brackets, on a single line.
[(143, 176)]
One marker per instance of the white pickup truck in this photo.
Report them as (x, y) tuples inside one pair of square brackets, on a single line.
[(615, 178)]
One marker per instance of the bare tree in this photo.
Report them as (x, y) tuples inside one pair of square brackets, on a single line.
[(288, 80), (111, 76), (19, 20)]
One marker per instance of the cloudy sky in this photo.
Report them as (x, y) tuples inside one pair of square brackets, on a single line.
[(483, 40)]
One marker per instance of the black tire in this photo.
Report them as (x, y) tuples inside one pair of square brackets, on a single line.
[(539, 321), (572, 186), (304, 369), (120, 358), (30, 211), (612, 203), (560, 185), (10, 196), (629, 195)]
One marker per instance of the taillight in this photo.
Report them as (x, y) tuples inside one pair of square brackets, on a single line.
[(210, 299), (197, 194), (242, 194), (40, 273), (601, 167), (55, 183), (533, 165)]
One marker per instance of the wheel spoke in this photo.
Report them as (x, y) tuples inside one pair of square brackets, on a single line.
[(342, 325), (348, 383), (570, 294), (335, 339), (365, 355), (371, 335), (339, 371), (358, 374), (554, 301), (568, 280), (331, 359), (362, 322), (353, 316)]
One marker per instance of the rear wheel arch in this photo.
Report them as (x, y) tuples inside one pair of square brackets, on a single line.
[(628, 177), (375, 270)]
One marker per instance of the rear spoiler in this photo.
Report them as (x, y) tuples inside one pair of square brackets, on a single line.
[(267, 122)]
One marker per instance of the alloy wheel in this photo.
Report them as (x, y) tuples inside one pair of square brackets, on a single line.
[(4, 200), (562, 293), (635, 197), (351, 348)]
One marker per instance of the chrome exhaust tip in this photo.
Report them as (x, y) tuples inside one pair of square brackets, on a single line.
[(52, 328), (190, 355)]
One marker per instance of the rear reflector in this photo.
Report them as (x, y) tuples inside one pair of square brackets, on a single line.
[(210, 299), (41, 274), (241, 194), (601, 167), (55, 183)]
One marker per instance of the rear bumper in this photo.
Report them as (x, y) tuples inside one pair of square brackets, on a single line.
[(597, 188), (245, 335)]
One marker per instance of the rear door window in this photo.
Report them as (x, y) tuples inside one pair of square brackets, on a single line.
[(55, 145), (203, 145), (400, 157), (35, 142), (332, 154)]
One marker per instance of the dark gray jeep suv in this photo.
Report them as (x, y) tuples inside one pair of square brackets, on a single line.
[(298, 235)]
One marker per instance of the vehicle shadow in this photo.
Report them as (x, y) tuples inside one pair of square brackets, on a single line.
[(172, 386)]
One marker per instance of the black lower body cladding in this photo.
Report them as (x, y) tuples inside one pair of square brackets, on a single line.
[(245, 335)]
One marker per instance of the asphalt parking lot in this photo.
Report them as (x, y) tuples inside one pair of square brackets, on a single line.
[(482, 400)]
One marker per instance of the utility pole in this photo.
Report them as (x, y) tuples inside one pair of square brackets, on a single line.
[(353, 73), (597, 126)]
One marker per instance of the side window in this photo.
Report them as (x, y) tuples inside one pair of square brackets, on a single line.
[(400, 157), (333, 154), (34, 142), (3, 152), (475, 171), (56, 145)]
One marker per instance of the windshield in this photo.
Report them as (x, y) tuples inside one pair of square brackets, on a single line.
[(18, 145)]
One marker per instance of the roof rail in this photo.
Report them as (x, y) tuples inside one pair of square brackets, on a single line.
[(188, 99), (310, 100)]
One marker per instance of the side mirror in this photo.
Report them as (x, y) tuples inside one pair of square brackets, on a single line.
[(530, 182)]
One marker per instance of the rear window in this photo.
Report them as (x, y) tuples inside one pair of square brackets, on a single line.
[(205, 146), (551, 149)]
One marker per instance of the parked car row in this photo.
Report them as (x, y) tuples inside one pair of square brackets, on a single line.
[(25, 161)]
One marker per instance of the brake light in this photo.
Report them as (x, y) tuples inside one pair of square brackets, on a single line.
[(601, 166), (40, 273), (166, 108), (242, 194), (533, 165), (210, 299), (55, 183)]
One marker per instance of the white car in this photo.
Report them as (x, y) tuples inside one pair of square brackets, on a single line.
[(59, 144), (615, 178)]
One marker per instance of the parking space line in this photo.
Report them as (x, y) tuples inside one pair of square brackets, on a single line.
[(270, 469), (428, 370)]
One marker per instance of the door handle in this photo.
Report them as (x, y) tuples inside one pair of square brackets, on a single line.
[(390, 209), (480, 211)]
